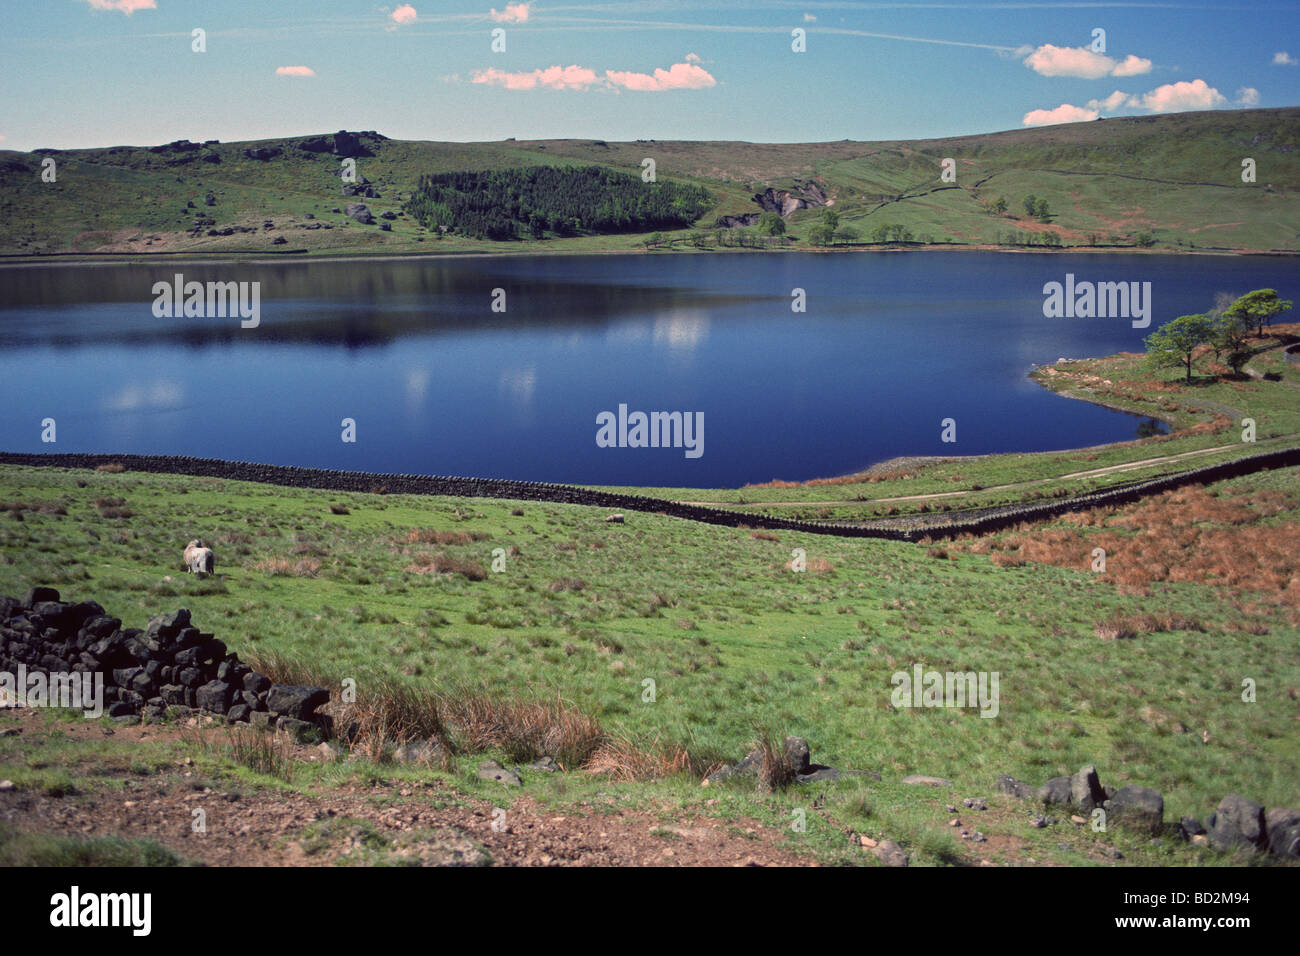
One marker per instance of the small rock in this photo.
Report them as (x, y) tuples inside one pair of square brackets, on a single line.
[(6, 786), (545, 765), (1015, 788), (975, 803), (920, 780), (890, 853), (492, 770), (867, 842), (1077, 820)]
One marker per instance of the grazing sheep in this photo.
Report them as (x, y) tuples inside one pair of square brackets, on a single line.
[(199, 558)]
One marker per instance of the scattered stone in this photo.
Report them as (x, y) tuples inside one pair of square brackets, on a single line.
[(492, 770), (978, 837), (614, 519), (920, 780), (299, 730), (295, 701), (867, 842), (890, 853), (1015, 788), (798, 754), (1236, 822), (545, 765), (1078, 821), (429, 752), (6, 786), (1282, 828), (1138, 807), (1190, 827), (975, 803), (1113, 853)]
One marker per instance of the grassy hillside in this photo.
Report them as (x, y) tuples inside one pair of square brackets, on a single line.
[(1136, 671), (1175, 177)]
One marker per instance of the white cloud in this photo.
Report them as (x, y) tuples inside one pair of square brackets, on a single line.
[(1174, 97), (1247, 96), (124, 6), (404, 14), (1081, 62), (1282, 58), (513, 13), (1111, 103), (554, 77), (679, 76), (1132, 66), (294, 71), (1065, 113)]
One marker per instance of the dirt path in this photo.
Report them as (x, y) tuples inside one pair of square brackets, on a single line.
[(1090, 473), (425, 822)]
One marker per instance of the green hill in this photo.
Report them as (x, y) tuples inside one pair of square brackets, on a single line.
[(1173, 182)]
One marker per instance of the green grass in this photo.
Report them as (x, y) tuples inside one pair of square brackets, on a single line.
[(731, 638), (1175, 176), (19, 848)]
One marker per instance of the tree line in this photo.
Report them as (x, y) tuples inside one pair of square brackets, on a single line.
[(537, 201)]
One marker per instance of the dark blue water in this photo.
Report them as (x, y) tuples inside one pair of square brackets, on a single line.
[(890, 345)]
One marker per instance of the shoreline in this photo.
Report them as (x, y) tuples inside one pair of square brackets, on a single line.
[(55, 259)]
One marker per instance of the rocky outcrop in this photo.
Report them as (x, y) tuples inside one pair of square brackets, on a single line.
[(169, 664), (783, 202), (263, 153), (737, 222)]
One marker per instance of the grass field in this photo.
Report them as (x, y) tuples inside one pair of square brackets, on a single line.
[(1176, 177), (584, 612)]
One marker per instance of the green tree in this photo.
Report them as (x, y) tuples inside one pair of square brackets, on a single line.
[(1258, 308), (1229, 331), (1030, 204), (821, 234), (1175, 342), (1041, 212), (1145, 240), (831, 218), (1000, 207), (846, 234), (770, 224)]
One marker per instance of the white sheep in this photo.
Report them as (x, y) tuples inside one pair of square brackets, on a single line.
[(199, 558)]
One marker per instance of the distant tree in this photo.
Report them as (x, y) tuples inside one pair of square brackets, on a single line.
[(1052, 239), (1041, 212), (821, 234), (1092, 238), (653, 240), (1145, 239), (830, 218), (1000, 207), (770, 224), (846, 234), (1258, 308), (1175, 342), (1030, 204)]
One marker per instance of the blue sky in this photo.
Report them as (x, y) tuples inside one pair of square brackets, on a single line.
[(107, 72)]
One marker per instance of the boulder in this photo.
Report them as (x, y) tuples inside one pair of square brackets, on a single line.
[(1085, 789), (1140, 808), (1282, 828), (890, 853), (1057, 790), (299, 730), (295, 701), (214, 696), (1236, 822), (492, 770), (428, 752), (262, 153), (39, 595), (798, 754), (360, 212)]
